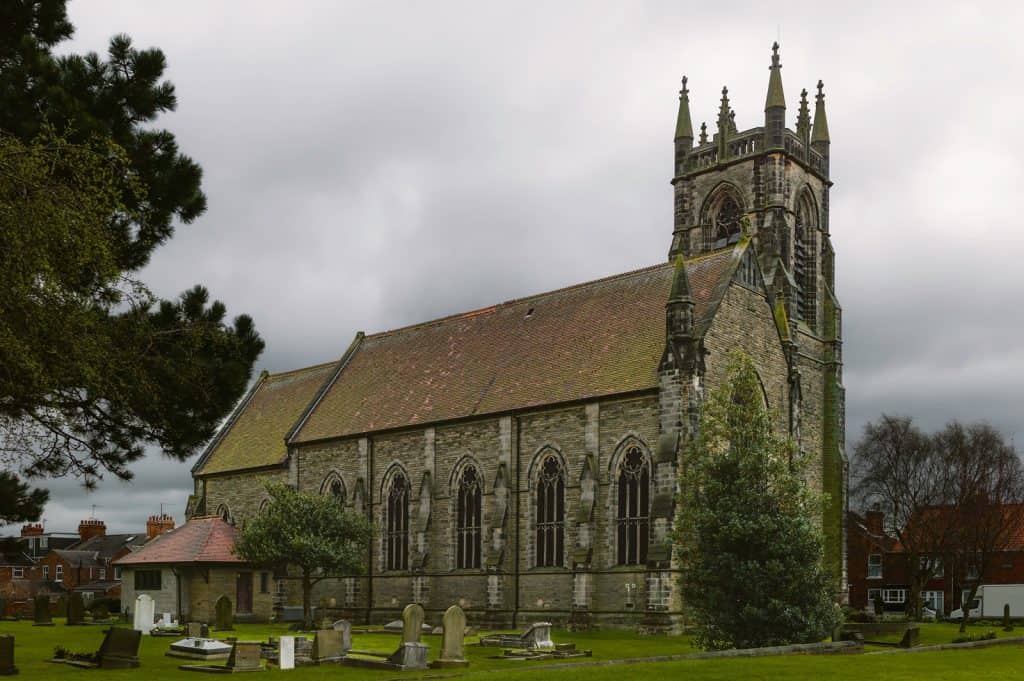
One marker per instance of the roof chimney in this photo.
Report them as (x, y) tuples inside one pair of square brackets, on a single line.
[(873, 520), (158, 524), (87, 529), (31, 529)]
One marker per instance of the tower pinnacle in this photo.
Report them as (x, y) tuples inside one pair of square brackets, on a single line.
[(803, 118), (776, 97), (820, 133), (684, 127)]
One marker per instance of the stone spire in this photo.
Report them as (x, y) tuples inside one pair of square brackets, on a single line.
[(684, 128), (724, 124), (775, 105), (680, 307), (820, 133), (803, 118)]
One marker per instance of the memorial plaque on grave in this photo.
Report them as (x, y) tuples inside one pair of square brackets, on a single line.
[(76, 609), (225, 614), (120, 649), (7, 667), (41, 612)]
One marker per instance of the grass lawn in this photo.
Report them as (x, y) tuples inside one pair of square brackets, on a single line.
[(35, 644)]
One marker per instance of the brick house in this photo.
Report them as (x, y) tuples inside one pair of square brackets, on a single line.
[(521, 459), (877, 565), (85, 566), (187, 569)]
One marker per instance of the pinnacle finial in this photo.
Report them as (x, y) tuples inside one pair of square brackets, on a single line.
[(803, 119), (820, 133), (684, 128), (776, 97), (703, 133)]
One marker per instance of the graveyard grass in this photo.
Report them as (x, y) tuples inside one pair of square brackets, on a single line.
[(33, 645)]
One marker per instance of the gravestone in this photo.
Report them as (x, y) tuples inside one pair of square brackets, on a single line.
[(204, 630), (60, 608), (538, 636), (7, 667), (328, 646), (286, 653), (144, 609), (120, 649), (412, 623), (345, 627), (911, 637), (41, 612), (454, 630), (194, 630), (76, 609), (199, 649), (225, 614), (245, 656)]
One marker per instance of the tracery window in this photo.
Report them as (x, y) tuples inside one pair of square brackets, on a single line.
[(726, 227), (804, 271), (467, 523), (338, 491), (550, 510), (633, 517), (397, 532)]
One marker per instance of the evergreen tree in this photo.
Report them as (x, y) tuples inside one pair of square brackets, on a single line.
[(310, 532), (93, 367), (748, 537)]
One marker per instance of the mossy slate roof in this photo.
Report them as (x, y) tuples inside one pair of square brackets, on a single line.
[(590, 340), (254, 434)]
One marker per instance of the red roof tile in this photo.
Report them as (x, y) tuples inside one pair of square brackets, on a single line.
[(206, 539), (599, 338)]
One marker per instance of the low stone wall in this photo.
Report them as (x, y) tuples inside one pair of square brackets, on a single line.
[(1013, 640)]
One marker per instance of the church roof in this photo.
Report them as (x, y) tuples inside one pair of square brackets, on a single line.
[(205, 539), (594, 339), (254, 434)]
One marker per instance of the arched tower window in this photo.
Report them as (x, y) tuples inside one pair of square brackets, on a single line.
[(397, 537), (805, 270), (634, 507), (467, 522), (550, 539), (335, 486), (725, 225)]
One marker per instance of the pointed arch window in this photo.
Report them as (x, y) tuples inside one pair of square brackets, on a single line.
[(550, 510), (726, 228), (634, 507), (467, 523), (804, 269), (397, 526)]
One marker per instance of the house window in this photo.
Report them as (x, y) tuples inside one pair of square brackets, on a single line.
[(874, 595), (58, 573), (875, 566), (117, 573), (932, 565), (934, 600), (398, 524), (147, 580), (894, 596), (17, 572), (264, 582), (46, 573), (42, 542), (103, 573), (550, 538), (633, 518), (467, 527)]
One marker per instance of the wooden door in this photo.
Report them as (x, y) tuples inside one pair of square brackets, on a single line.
[(243, 593)]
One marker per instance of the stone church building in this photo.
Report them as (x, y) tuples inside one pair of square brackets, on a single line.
[(521, 459)]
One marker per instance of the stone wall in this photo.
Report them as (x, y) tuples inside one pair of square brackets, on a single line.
[(164, 600)]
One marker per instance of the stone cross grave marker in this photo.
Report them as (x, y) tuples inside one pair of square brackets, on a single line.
[(41, 612), (245, 656), (412, 623), (7, 667), (144, 609), (454, 630), (225, 614), (286, 653), (76, 609), (345, 627)]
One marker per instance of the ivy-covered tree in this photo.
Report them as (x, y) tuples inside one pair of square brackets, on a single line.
[(308, 532), (93, 367), (748, 537)]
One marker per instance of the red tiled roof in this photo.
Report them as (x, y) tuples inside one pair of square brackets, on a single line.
[(599, 338), (1013, 515), (206, 539)]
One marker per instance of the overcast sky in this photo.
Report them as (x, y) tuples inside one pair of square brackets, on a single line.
[(370, 165)]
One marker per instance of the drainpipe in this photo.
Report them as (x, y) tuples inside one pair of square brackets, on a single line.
[(518, 517)]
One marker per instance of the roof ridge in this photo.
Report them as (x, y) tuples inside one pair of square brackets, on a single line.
[(312, 367), (516, 301)]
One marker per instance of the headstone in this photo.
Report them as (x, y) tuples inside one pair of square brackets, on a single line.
[(327, 646), (120, 649), (41, 612), (7, 667), (144, 607), (204, 630), (911, 637), (194, 630), (412, 623), (76, 609), (345, 627), (538, 635), (286, 653), (454, 625), (245, 656), (225, 614)]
